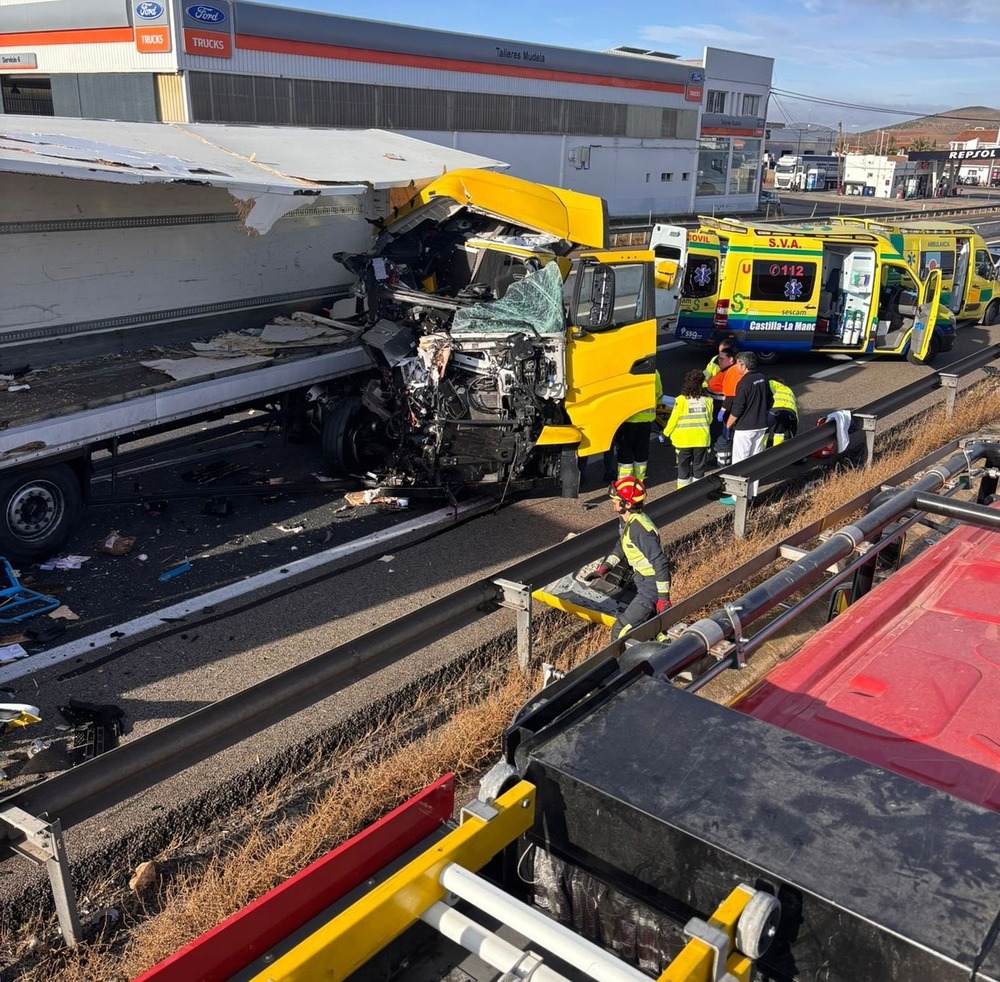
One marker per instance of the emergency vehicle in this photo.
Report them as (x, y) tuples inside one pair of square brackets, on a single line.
[(781, 289), (970, 275)]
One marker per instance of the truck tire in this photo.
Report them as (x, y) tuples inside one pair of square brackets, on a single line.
[(992, 315), (353, 439), (767, 357), (39, 508), (336, 439)]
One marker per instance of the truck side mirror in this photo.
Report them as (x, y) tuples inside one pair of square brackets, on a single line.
[(602, 297)]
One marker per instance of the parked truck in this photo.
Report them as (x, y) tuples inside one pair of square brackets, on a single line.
[(836, 822), (489, 339), (806, 172)]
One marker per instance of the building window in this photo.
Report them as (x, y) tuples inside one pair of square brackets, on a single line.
[(667, 176), (686, 175), (716, 102), (744, 174), (224, 98), (751, 105), (713, 166)]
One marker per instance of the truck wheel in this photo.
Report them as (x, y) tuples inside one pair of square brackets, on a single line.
[(933, 350), (40, 509), (353, 439), (758, 924), (767, 357), (992, 315)]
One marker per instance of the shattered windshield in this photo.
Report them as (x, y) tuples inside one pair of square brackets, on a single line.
[(534, 303)]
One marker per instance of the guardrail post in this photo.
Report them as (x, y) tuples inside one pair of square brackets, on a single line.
[(42, 844), (950, 384), (868, 426), (517, 596), (738, 487)]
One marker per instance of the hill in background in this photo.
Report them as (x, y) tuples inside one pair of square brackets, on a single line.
[(938, 130)]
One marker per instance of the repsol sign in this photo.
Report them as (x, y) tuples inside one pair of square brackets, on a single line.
[(984, 154), (987, 153)]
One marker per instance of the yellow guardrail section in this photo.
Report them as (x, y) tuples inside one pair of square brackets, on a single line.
[(695, 963), (351, 938), (561, 603)]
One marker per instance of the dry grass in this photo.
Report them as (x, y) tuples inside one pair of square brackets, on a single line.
[(274, 846)]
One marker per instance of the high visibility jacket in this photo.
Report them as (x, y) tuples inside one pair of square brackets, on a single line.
[(639, 545), (724, 383), (711, 369), (689, 422), (784, 398), (648, 415)]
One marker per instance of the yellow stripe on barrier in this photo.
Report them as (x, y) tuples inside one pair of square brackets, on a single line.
[(351, 938), (560, 603)]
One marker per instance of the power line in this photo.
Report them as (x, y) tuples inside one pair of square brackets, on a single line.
[(802, 97)]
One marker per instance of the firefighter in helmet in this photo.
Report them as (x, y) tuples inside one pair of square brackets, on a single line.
[(639, 547)]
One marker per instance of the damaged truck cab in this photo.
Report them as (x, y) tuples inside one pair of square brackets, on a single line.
[(506, 340)]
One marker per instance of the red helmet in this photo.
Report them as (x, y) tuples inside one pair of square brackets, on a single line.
[(630, 489)]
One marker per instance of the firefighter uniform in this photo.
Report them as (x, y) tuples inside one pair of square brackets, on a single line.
[(633, 439), (639, 546), (783, 419)]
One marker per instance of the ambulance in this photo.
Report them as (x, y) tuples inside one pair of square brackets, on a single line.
[(786, 290), (970, 275)]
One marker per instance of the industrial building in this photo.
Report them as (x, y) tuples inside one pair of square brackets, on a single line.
[(652, 134)]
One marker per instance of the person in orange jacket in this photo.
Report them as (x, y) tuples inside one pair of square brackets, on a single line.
[(722, 385)]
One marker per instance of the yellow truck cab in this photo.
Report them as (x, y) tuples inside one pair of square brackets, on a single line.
[(506, 339), (970, 277), (786, 289)]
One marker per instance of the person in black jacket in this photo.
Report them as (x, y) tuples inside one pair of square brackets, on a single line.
[(747, 419)]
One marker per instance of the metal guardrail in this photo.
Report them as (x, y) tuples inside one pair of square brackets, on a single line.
[(32, 819)]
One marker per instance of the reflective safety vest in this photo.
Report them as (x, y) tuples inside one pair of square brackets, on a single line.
[(712, 368), (642, 565), (784, 398), (639, 545), (689, 422), (648, 415)]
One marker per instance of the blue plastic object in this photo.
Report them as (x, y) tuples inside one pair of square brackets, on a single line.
[(17, 603), (176, 571)]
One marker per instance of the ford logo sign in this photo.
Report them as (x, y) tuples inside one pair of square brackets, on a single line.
[(206, 14), (149, 10)]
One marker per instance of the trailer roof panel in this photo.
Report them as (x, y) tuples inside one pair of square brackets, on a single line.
[(907, 678), (290, 160)]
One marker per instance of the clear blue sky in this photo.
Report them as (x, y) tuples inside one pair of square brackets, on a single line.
[(915, 56)]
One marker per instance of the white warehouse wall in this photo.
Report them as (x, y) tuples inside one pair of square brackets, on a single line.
[(617, 169)]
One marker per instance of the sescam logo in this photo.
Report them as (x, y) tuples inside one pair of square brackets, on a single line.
[(207, 15), (148, 10)]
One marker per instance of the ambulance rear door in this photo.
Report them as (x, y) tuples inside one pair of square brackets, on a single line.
[(669, 246)]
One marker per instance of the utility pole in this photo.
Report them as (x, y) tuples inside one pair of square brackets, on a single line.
[(840, 157)]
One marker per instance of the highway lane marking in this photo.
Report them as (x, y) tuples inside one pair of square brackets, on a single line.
[(122, 632), (670, 344), (827, 372)]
